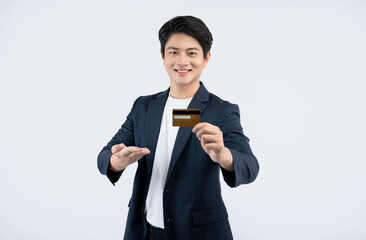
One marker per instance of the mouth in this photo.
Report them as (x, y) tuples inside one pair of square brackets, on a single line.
[(182, 70)]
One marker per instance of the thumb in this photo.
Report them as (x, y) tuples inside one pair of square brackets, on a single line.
[(118, 148)]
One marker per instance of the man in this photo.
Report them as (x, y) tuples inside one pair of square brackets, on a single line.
[(176, 193)]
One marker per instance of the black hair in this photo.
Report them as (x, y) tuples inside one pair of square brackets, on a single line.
[(189, 25)]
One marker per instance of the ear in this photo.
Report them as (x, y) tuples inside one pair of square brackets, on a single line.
[(205, 61), (162, 56)]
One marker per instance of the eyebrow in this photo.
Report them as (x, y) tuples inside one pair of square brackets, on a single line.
[(188, 49)]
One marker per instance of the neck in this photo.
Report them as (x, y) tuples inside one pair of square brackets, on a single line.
[(183, 91)]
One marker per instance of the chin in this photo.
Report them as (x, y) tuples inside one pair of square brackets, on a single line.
[(183, 82)]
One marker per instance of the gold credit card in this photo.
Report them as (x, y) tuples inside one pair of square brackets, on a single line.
[(186, 117)]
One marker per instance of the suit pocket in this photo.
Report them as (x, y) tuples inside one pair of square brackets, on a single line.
[(207, 216)]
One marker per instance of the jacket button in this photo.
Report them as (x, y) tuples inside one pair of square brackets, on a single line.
[(240, 182), (168, 190), (169, 220)]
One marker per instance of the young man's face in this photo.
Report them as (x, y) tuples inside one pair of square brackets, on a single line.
[(184, 59)]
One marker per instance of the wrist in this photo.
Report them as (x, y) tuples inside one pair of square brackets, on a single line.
[(227, 161)]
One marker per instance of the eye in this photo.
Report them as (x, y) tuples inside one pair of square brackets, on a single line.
[(192, 53), (172, 52)]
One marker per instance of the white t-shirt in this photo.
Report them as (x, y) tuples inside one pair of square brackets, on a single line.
[(163, 154)]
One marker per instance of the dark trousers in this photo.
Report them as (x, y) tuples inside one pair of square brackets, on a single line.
[(154, 233)]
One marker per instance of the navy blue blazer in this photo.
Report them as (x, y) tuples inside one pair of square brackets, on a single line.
[(192, 202)]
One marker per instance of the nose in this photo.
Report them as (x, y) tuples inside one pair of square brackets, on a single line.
[(182, 59)]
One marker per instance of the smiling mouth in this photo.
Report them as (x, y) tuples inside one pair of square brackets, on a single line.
[(183, 70)]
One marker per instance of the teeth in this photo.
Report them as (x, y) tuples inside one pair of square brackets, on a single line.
[(182, 71)]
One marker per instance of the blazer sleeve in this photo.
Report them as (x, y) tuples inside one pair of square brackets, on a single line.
[(246, 166), (124, 135)]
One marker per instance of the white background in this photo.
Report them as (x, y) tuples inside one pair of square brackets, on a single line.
[(70, 71)]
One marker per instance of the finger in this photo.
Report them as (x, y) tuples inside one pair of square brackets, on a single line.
[(129, 150), (212, 146), (145, 150), (208, 130), (198, 126), (207, 138), (133, 157)]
